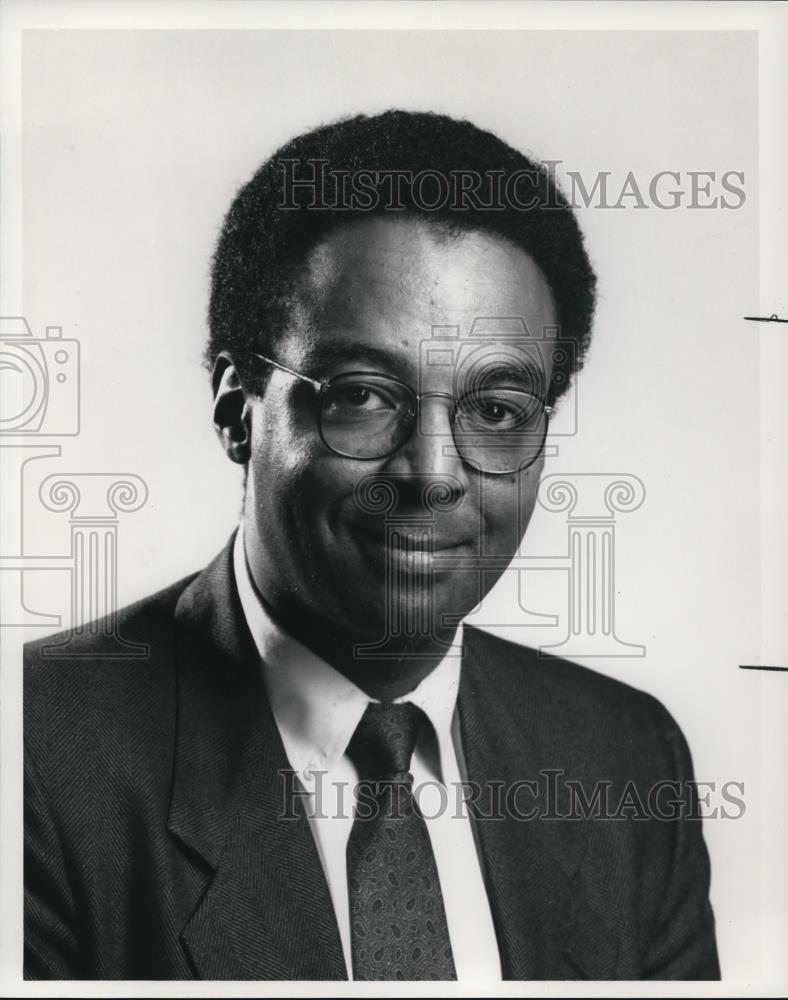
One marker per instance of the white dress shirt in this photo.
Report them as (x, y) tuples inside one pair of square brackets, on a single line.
[(317, 710)]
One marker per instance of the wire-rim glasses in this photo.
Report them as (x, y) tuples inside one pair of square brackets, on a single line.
[(367, 416)]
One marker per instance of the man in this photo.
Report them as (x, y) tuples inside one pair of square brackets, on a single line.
[(385, 290)]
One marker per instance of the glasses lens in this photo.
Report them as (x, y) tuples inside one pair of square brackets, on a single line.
[(500, 430), (366, 416)]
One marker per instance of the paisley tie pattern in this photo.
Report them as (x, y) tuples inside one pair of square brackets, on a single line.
[(397, 918)]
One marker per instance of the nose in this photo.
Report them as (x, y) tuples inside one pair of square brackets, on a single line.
[(430, 452)]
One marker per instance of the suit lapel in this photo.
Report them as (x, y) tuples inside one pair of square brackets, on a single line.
[(261, 905), (545, 926)]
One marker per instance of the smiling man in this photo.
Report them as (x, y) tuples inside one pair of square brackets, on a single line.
[(319, 772)]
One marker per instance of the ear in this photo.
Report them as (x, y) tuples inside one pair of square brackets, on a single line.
[(232, 419)]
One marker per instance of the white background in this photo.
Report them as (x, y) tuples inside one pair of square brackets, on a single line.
[(133, 146)]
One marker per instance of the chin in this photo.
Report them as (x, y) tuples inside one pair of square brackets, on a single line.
[(423, 611), (408, 599)]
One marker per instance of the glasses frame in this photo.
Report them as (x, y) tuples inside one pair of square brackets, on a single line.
[(323, 387)]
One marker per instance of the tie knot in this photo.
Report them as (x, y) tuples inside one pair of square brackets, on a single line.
[(384, 740)]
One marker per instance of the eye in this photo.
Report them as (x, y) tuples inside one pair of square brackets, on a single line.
[(495, 411), (500, 410), (360, 396), (351, 400)]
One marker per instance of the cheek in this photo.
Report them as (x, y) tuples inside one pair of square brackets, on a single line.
[(528, 489), (280, 460), (507, 504), (299, 486)]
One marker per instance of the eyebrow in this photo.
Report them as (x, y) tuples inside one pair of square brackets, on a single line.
[(527, 373), (359, 356), (332, 352)]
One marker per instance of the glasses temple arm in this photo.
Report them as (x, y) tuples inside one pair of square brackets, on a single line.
[(290, 371)]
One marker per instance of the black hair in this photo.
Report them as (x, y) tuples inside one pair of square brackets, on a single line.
[(405, 163)]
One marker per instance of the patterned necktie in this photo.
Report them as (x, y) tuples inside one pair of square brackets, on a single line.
[(398, 922)]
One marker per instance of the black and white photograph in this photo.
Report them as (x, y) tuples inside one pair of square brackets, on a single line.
[(393, 553)]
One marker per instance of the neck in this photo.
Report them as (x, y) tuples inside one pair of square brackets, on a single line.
[(390, 672)]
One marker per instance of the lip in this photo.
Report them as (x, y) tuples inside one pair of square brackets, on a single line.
[(411, 547), (419, 543)]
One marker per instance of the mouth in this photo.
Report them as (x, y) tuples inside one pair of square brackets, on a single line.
[(420, 542), (411, 547)]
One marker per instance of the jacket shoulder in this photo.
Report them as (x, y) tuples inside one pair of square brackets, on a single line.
[(109, 682), (601, 718), (525, 668), (97, 639)]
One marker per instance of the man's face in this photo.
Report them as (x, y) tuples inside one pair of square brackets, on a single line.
[(369, 297)]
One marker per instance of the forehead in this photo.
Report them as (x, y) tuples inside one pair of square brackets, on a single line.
[(387, 284)]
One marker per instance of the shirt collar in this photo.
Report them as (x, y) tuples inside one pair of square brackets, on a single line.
[(316, 708)]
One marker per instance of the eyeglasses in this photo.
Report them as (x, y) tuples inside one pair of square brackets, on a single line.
[(366, 415)]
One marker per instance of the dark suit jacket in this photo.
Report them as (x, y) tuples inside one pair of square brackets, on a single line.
[(156, 847)]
